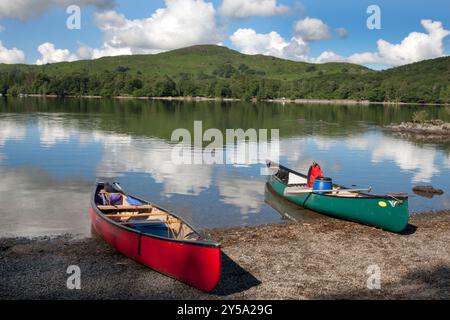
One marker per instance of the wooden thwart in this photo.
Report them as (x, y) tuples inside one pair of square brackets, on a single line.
[(124, 208), (128, 215), (150, 222)]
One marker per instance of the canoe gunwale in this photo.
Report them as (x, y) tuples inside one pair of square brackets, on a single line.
[(364, 196), (202, 243)]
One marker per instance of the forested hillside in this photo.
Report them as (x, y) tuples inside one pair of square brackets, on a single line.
[(214, 71)]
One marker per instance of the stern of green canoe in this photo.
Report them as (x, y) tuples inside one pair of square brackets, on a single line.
[(386, 213)]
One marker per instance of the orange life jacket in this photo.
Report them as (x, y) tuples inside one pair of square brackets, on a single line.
[(314, 172)]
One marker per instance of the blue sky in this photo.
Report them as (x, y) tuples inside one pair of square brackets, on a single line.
[(44, 21)]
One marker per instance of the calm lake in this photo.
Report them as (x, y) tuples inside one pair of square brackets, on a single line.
[(53, 151)]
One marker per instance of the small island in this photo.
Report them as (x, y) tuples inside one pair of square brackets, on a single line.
[(431, 127), (422, 127)]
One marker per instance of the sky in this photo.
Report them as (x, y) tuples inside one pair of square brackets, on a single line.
[(377, 33)]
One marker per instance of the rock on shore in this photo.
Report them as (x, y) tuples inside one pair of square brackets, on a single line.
[(427, 191)]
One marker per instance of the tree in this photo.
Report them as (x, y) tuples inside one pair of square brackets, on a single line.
[(225, 71), (165, 87)]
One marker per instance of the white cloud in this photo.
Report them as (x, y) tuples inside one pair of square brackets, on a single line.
[(180, 24), (84, 52), (110, 19), (11, 56), (250, 42), (242, 9), (312, 29), (26, 9), (2, 28), (415, 47), (329, 56), (342, 33), (50, 54), (109, 51)]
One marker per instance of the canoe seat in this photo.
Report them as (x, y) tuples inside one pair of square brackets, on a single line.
[(296, 180), (157, 229)]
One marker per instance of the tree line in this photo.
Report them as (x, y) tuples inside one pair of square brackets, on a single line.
[(226, 81)]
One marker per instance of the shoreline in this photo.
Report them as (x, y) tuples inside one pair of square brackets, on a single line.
[(280, 101), (323, 259)]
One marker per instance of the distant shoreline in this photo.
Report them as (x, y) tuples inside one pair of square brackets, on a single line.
[(204, 99)]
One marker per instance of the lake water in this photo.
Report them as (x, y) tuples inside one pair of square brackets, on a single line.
[(53, 151)]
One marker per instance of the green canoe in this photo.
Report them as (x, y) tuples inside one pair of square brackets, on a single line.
[(388, 212)]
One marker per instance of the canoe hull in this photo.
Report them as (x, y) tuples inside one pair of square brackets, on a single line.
[(380, 212), (196, 265)]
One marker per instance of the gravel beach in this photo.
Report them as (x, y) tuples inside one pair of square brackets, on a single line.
[(322, 259)]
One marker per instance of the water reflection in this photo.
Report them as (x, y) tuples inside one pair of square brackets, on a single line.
[(52, 152), (55, 129), (153, 157), (242, 193), (289, 211), (408, 157), (11, 130), (36, 204)]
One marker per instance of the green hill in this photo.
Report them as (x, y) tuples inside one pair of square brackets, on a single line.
[(192, 60), (425, 81), (215, 71)]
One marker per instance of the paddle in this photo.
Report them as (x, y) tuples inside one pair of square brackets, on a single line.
[(303, 191)]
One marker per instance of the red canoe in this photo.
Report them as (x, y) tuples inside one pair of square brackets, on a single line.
[(155, 237)]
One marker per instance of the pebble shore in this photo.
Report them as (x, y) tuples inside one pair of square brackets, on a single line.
[(324, 259)]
